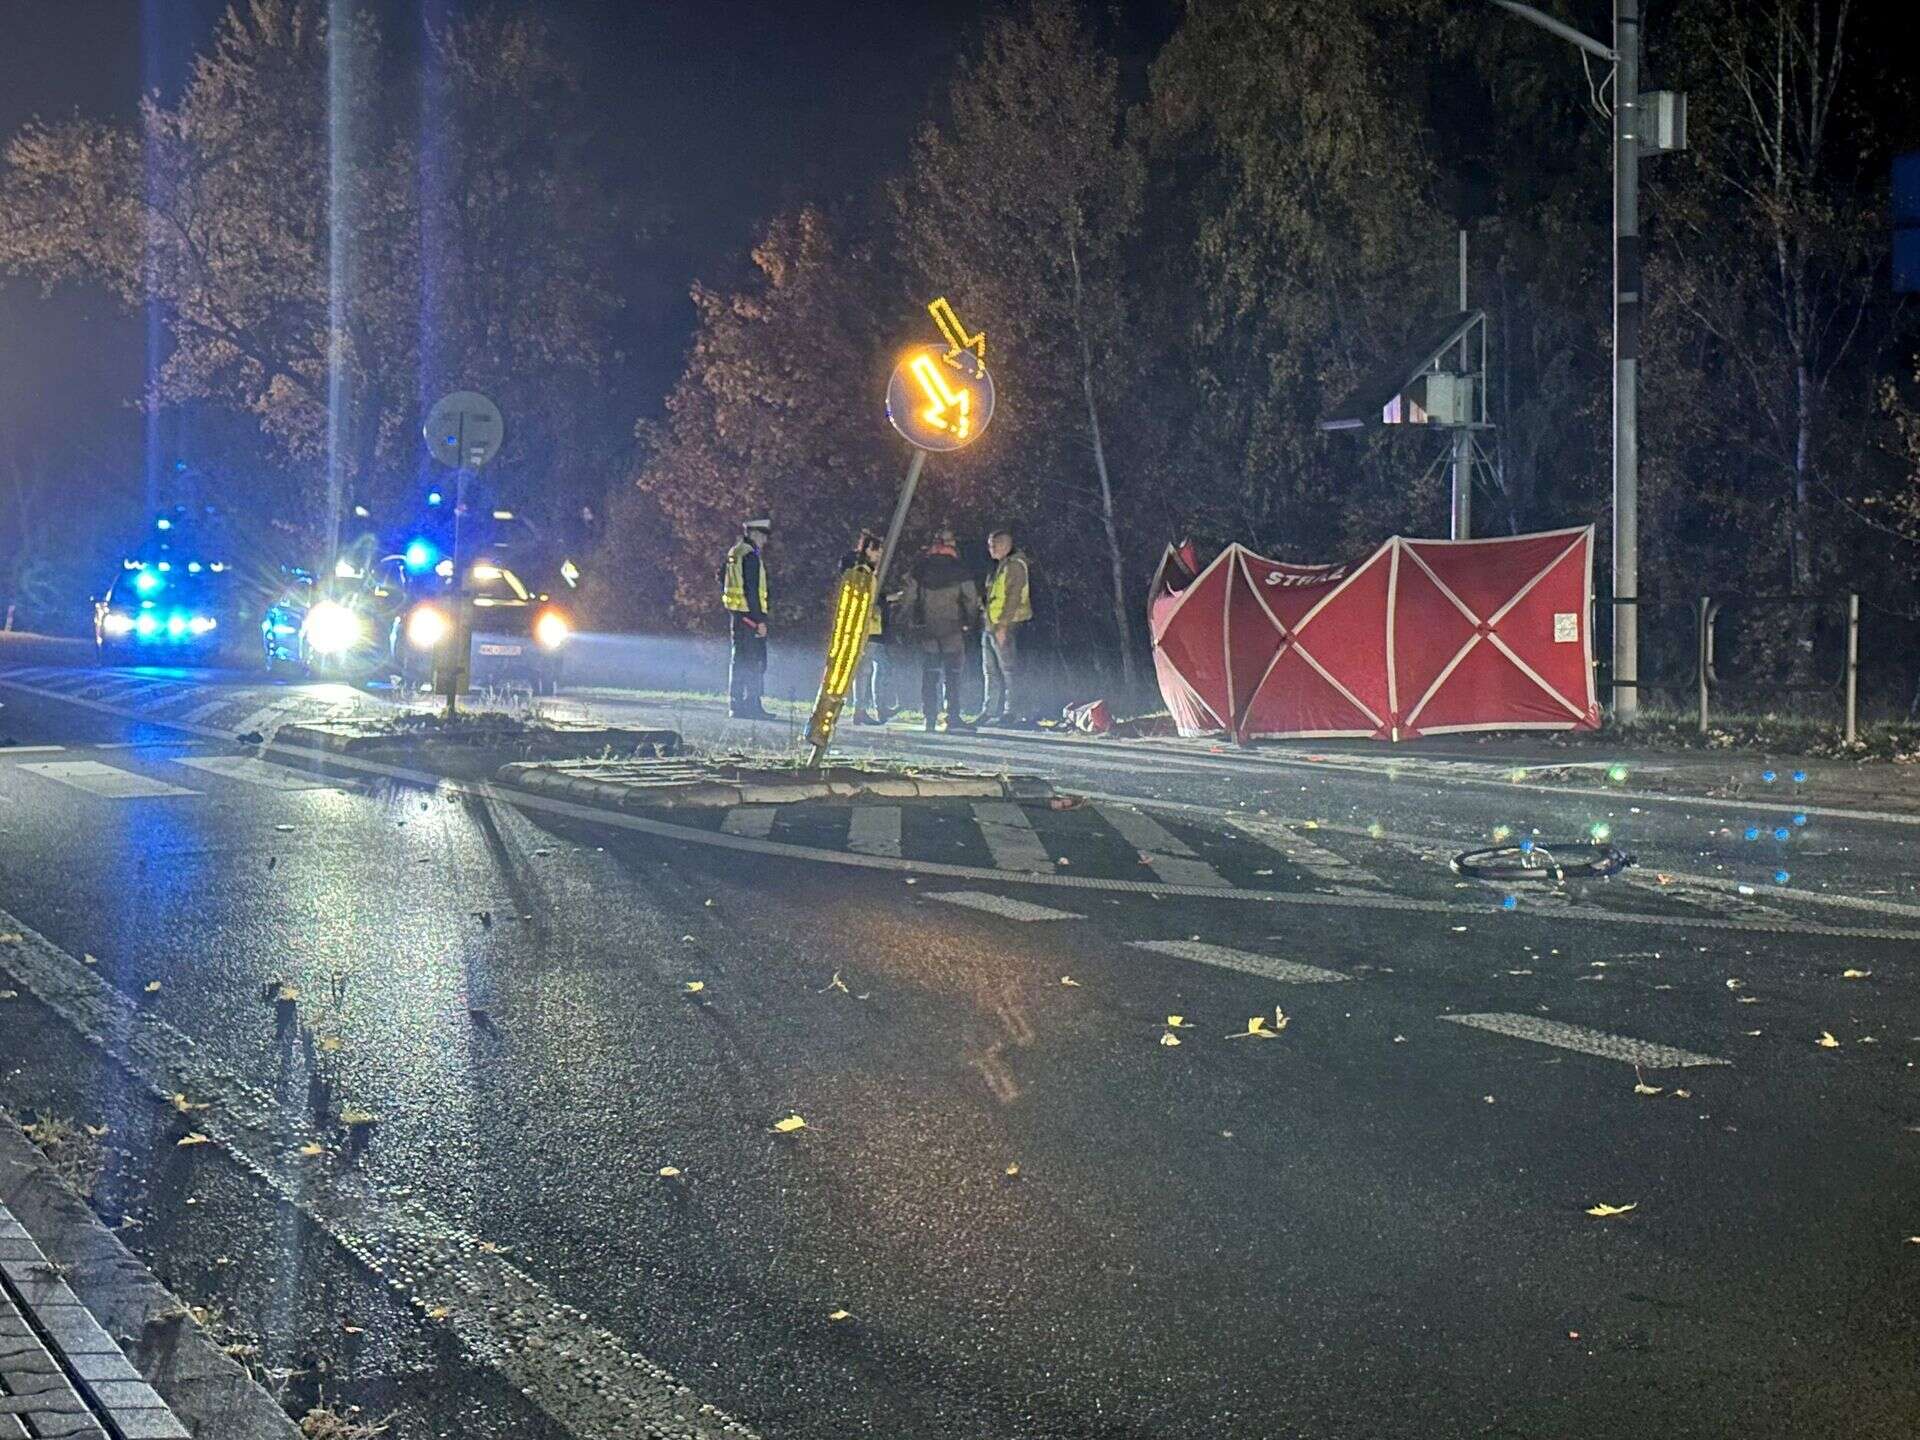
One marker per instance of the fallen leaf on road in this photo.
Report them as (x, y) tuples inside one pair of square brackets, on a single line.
[(1826, 1041), (1256, 1029), (913, 880), (89, 959), (694, 987), (669, 1172), (1013, 1172), (1487, 1098), (152, 986), (311, 1150), (182, 1104), (1519, 972), (1746, 999), (1169, 1038), (438, 1312), (491, 1247), (329, 1044), (356, 1119), (1179, 1022), (1683, 1094), (1603, 1210), (1399, 1039), (1070, 982), (1459, 929), (9, 994), (1279, 1018), (841, 1315), (352, 1329), (1750, 1032), (196, 1138), (789, 1125), (287, 994), (1855, 974), (836, 983), (96, 1131), (1733, 984), (686, 939), (1643, 1088)]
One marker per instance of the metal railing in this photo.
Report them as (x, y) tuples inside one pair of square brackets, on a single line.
[(1843, 681)]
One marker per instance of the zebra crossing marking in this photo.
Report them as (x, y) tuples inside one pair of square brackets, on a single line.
[(1010, 836), (201, 712), (874, 830), (1269, 967), (1624, 1048), (1001, 905), (754, 821), (248, 770), (1166, 854), (1324, 865), (106, 781)]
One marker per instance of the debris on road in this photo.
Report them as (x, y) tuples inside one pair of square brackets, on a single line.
[(789, 1125), (1603, 1211), (1826, 1041)]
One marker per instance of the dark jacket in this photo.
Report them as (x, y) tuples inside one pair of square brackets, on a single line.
[(941, 601)]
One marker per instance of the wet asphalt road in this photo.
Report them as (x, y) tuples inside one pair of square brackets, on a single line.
[(1371, 1225)]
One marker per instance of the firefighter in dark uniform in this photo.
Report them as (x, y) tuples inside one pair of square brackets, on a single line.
[(743, 590)]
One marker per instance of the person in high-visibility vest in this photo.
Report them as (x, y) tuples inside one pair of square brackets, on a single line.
[(743, 590), (1009, 606)]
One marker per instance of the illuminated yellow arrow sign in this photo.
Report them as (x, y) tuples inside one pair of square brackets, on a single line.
[(947, 409), (956, 333)]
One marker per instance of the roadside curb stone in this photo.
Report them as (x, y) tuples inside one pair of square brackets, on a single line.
[(106, 1339), (676, 785)]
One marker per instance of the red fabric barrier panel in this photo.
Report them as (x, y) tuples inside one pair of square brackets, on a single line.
[(1423, 637)]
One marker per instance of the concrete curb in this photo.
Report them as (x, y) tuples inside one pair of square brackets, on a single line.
[(212, 1396), (339, 738), (696, 792)]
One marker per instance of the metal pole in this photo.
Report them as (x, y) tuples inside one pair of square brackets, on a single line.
[(1853, 666), (1626, 357), (1461, 527), (1706, 654), (894, 527), (898, 522)]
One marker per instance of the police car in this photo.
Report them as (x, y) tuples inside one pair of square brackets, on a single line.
[(167, 612), (338, 626), (521, 621)]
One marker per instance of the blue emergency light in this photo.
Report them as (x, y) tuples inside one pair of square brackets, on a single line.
[(420, 556)]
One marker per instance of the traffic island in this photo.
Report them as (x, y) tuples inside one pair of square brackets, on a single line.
[(723, 781), (475, 746)]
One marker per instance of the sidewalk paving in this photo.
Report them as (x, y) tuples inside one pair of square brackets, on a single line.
[(92, 1347), (60, 1372)]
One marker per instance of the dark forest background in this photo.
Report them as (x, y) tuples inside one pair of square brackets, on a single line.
[(1199, 232)]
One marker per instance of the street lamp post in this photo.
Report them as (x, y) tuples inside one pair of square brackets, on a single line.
[(1630, 137)]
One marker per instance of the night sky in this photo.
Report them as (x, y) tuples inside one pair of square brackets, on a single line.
[(721, 111)]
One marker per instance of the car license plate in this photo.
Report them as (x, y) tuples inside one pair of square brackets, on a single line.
[(491, 649)]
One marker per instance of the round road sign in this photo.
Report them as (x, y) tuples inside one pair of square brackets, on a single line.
[(464, 430), (940, 401)]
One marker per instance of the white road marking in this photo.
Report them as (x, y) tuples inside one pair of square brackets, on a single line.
[(1000, 905), (106, 781), (1167, 855), (1269, 967), (1588, 1042), (1010, 836), (201, 712), (258, 772), (260, 718), (874, 830), (1303, 854), (754, 820), (12, 750)]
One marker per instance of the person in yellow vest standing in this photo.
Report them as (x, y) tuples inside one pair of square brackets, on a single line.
[(743, 590), (1009, 606)]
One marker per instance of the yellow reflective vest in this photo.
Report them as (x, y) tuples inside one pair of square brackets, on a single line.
[(733, 592), (1008, 600)]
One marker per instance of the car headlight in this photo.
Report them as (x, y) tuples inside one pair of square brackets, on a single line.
[(201, 624), (551, 629), (176, 625), (332, 628), (427, 626), (114, 623), (147, 624)]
